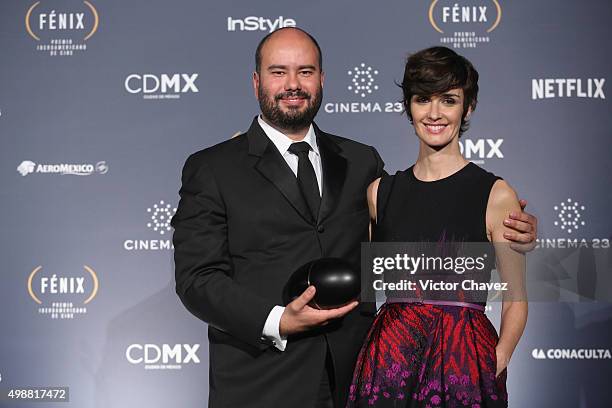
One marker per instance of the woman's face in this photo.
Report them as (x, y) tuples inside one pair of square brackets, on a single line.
[(437, 119)]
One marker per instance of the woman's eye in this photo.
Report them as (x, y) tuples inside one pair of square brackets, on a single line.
[(422, 99), (450, 101)]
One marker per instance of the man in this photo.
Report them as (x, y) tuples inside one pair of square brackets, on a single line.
[(255, 208)]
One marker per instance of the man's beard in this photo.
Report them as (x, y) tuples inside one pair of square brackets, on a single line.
[(294, 119)]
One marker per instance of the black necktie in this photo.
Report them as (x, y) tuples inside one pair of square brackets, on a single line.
[(306, 177)]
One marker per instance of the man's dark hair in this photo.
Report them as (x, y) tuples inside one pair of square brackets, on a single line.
[(435, 70), (267, 37)]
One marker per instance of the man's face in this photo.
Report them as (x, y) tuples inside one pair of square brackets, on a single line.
[(289, 87)]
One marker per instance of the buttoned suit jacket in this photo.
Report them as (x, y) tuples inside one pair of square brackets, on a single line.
[(241, 228)]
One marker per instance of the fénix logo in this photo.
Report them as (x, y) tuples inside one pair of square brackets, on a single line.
[(571, 354), (547, 88), (253, 23), (61, 32), (443, 12), (52, 20), (162, 357), (465, 23), (163, 86), (160, 216), (480, 149), (84, 169), (59, 296)]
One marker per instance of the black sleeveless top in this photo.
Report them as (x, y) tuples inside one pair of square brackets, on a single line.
[(451, 210)]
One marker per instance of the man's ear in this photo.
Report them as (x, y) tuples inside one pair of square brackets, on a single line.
[(256, 85), (322, 78)]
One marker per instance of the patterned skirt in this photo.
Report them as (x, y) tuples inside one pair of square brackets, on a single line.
[(422, 355)]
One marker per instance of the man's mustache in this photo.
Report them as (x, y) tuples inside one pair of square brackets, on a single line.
[(292, 94)]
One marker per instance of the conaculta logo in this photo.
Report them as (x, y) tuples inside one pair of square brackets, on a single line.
[(84, 169), (253, 23), (163, 86), (547, 88), (571, 354), (164, 357)]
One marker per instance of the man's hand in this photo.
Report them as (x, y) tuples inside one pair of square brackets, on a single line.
[(526, 227), (299, 317)]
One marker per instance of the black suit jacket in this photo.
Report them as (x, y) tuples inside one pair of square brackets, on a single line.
[(241, 229)]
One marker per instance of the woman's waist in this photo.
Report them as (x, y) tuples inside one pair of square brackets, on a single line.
[(479, 306)]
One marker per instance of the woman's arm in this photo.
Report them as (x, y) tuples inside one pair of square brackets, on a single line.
[(511, 267)]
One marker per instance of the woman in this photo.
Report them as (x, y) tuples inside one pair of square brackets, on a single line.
[(440, 353)]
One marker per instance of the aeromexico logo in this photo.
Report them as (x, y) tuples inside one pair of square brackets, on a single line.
[(571, 354), (27, 167)]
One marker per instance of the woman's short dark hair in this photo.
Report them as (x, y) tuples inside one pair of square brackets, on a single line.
[(435, 70)]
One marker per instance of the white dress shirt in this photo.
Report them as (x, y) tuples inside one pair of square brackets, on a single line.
[(271, 328)]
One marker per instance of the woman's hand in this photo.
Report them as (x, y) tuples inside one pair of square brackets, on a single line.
[(502, 361)]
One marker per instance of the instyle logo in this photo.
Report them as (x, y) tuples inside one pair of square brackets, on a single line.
[(63, 296), (162, 357), (362, 85), (61, 32), (159, 218), (547, 88), (464, 23), (83, 169), (571, 354), (480, 149), (253, 23), (163, 86)]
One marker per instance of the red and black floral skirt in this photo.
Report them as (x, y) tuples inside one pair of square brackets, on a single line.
[(424, 355)]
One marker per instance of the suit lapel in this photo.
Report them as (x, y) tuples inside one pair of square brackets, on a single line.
[(334, 172), (274, 168)]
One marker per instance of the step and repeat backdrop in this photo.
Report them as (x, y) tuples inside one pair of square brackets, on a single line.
[(101, 101)]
